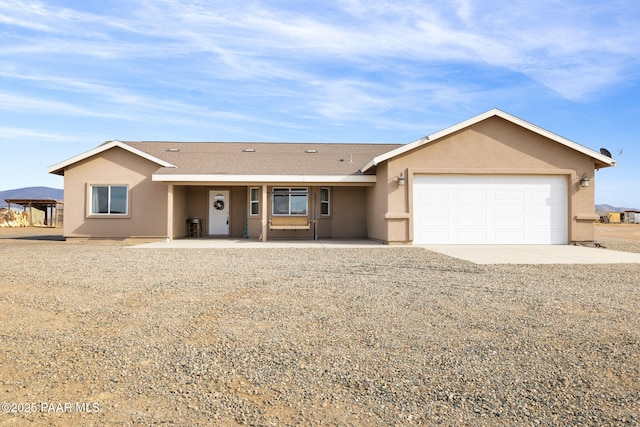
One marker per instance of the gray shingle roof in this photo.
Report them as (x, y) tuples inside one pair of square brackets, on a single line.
[(261, 158)]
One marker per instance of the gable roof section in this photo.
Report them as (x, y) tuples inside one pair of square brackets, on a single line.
[(600, 159), (239, 162), (58, 168), (248, 161)]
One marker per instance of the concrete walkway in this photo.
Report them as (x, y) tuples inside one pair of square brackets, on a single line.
[(478, 254), (253, 243), (534, 254)]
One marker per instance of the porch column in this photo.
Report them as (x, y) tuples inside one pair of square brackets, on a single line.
[(265, 220), (170, 212)]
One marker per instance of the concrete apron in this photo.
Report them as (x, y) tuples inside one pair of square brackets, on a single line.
[(534, 254)]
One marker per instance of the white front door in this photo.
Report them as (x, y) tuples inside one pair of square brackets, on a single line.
[(218, 213)]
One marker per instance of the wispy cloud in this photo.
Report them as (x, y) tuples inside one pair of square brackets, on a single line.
[(340, 59), (12, 134)]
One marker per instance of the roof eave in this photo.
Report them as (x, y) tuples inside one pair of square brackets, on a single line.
[(604, 160), (605, 164), (598, 157), (59, 168)]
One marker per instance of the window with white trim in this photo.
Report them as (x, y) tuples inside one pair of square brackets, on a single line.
[(109, 200), (254, 201), (290, 201), (325, 204)]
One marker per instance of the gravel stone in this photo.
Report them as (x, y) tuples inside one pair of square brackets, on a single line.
[(313, 336)]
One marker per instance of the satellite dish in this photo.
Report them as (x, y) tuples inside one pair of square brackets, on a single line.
[(605, 152)]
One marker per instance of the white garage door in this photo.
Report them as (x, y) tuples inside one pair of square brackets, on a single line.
[(479, 209)]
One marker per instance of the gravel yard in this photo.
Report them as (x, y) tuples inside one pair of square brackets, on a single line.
[(95, 333)]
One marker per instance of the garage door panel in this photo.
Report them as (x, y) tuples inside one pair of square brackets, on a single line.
[(441, 209), (468, 209), (472, 207), (541, 195), (438, 222), (436, 193), (540, 221), (509, 237), (472, 223), (540, 210), (470, 236), (436, 236), (472, 195), (509, 209), (511, 222), (508, 195)]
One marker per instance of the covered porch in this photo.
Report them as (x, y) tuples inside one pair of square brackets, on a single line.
[(267, 211)]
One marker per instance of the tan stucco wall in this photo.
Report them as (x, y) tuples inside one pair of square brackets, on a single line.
[(179, 211), (377, 203), (147, 200), (238, 214), (493, 146), (196, 205), (348, 212)]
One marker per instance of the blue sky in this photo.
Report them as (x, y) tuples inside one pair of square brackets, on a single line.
[(76, 73)]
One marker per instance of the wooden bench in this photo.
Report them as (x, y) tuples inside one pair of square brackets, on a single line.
[(289, 223)]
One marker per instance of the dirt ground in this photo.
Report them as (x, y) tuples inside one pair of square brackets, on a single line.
[(618, 231), (96, 334)]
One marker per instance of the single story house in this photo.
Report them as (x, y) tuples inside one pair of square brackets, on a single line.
[(492, 179)]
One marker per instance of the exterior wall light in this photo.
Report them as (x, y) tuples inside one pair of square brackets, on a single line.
[(401, 180), (584, 181)]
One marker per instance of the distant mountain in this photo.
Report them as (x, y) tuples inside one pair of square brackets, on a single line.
[(608, 208), (31, 193)]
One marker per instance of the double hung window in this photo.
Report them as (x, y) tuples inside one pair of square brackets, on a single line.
[(254, 201), (325, 207), (290, 201), (109, 200)]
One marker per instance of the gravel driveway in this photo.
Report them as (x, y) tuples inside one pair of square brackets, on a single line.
[(94, 333)]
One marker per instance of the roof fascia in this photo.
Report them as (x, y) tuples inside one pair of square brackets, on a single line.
[(58, 168), (606, 161), (339, 179)]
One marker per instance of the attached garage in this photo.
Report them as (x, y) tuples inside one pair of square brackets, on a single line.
[(490, 209)]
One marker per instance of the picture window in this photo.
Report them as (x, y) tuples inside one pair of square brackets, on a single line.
[(290, 201), (109, 200)]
